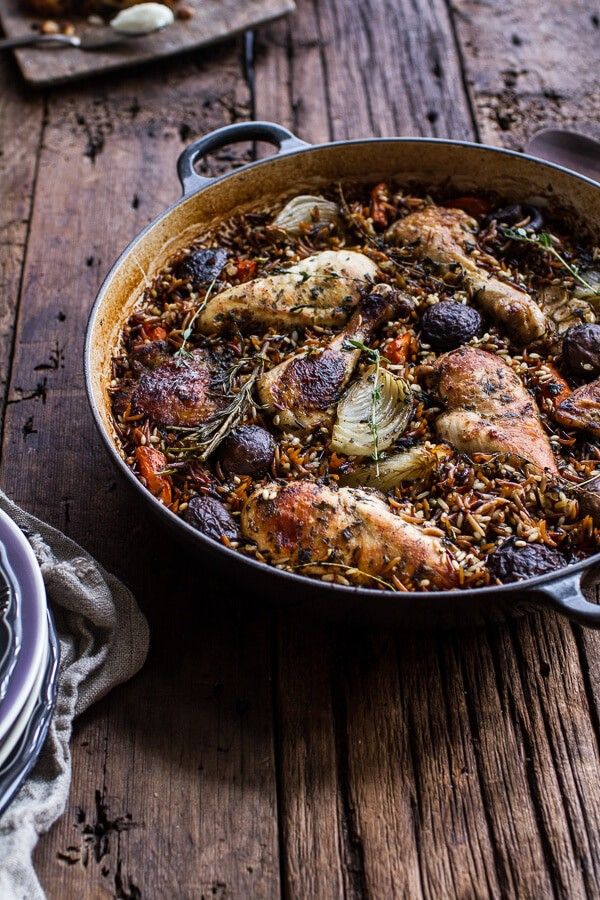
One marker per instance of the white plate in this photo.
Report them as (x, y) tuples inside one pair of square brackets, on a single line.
[(34, 642), (14, 735)]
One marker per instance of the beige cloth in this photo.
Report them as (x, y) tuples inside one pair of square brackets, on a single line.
[(103, 642)]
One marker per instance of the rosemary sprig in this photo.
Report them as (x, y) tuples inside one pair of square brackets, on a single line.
[(204, 440), (186, 334), (545, 242), (373, 356)]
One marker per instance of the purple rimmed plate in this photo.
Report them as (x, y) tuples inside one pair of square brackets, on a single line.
[(34, 623)]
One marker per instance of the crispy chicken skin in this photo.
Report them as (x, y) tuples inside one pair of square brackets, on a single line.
[(319, 290), (445, 236), (489, 410), (304, 389), (180, 392), (581, 409), (306, 522)]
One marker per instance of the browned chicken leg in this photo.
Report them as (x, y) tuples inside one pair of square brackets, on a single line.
[(173, 391), (304, 389), (319, 290), (444, 236), (307, 522), (489, 409), (581, 409)]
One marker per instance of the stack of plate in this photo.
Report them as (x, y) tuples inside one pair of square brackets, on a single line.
[(29, 657)]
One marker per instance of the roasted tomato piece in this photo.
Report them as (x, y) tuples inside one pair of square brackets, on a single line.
[(154, 332), (151, 462), (550, 387), (473, 206), (400, 350), (246, 269), (380, 202)]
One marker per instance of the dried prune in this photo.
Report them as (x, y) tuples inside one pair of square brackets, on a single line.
[(211, 517), (581, 350), (248, 450), (512, 563), (448, 324), (201, 266)]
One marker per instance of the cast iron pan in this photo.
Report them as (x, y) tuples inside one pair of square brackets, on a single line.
[(560, 591)]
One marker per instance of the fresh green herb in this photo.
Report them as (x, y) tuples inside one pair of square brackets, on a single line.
[(182, 353), (546, 242), (373, 356)]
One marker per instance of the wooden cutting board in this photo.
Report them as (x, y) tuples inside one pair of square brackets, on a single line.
[(213, 20)]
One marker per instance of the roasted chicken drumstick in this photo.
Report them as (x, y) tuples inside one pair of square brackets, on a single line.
[(488, 409), (444, 236), (171, 391), (581, 409), (304, 389), (302, 521), (319, 290)]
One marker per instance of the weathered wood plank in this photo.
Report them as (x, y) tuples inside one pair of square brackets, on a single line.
[(212, 21), (530, 66), (312, 821), (186, 749), (20, 136), (342, 70)]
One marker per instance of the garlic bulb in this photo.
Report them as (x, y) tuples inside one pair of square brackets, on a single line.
[(304, 210), (142, 19)]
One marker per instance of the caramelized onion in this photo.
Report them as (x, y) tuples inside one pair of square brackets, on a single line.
[(305, 210), (373, 412), (409, 465)]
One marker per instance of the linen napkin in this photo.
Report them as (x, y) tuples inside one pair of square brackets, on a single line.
[(103, 642)]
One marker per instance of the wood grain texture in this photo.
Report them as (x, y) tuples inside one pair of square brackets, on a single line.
[(173, 790), (212, 21), (20, 137), (530, 66)]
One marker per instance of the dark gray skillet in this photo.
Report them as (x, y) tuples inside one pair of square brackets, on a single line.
[(297, 167)]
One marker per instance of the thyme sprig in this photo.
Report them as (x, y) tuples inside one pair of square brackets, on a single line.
[(182, 353), (546, 242), (374, 356)]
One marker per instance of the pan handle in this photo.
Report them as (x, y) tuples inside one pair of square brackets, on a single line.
[(284, 140), (565, 596)]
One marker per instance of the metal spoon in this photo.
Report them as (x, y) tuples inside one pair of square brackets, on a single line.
[(568, 148), (94, 39)]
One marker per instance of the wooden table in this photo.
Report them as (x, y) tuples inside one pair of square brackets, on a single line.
[(257, 754)]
